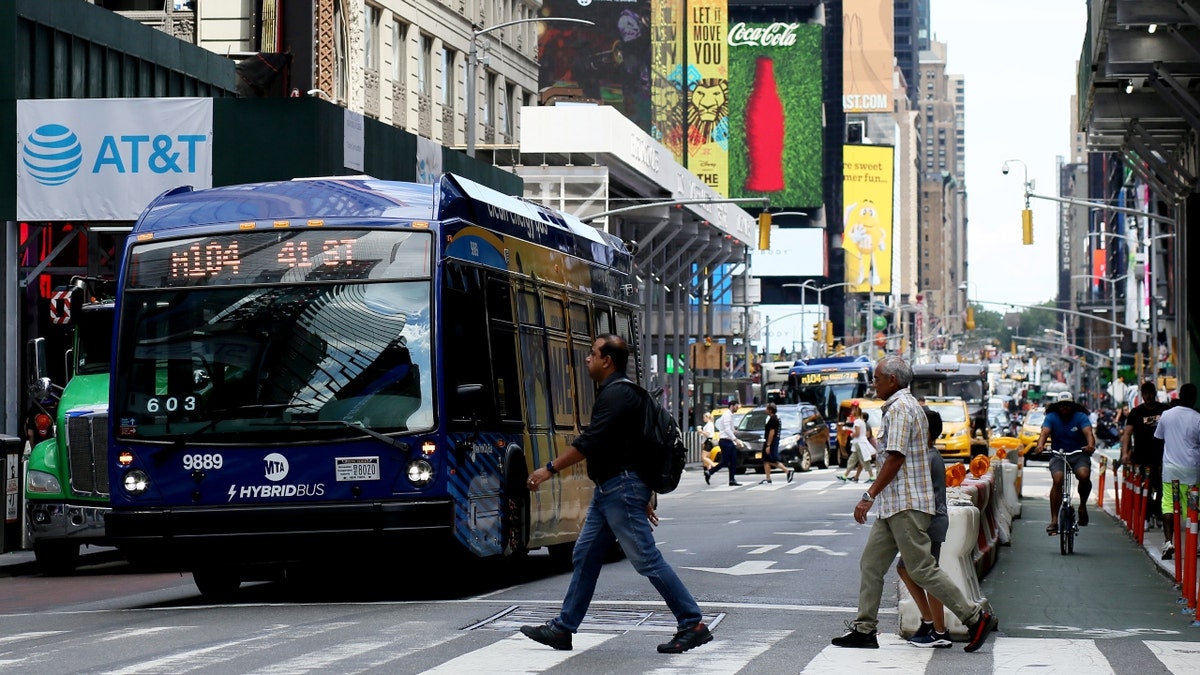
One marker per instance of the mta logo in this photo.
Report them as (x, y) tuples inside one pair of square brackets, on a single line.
[(276, 467), (52, 154)]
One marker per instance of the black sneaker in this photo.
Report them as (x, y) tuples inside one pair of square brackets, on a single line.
[(933, 639), (686, 639), (790, 473), (1083, 519), (978, 632), (707, 477), (856, 639), (559, 639), (734, 483), (925, 629)]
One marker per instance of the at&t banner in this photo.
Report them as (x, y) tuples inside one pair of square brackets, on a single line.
[(106, 159)]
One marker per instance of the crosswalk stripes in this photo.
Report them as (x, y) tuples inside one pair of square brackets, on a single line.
[(505, 652)]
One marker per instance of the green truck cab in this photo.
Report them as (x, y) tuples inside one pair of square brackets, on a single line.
[(66, 480)]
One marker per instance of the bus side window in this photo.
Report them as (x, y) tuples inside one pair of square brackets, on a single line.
[(624, 328), (603, 319), (506, 379), (585, 389)]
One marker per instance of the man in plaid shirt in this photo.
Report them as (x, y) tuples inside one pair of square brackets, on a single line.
[(904, 491)]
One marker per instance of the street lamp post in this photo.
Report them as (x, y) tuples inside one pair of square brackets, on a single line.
[(1112, 296), (473, 63), (809, 284)]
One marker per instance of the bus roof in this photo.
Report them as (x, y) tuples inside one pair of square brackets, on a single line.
[(362, 198), (942, 370), (831, 363)]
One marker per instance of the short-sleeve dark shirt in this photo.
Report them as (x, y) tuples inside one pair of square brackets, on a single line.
[(773, 423), (615, 431), (1147, 450)]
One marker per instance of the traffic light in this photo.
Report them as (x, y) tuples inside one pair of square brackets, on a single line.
[(764, 231), (818, 332), (970, 317), (1027, 226), (828, 335)]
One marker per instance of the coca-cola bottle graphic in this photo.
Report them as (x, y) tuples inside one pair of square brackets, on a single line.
[(764, 131)]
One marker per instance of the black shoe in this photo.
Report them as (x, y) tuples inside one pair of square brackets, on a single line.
[(1083, 519), (856, 639), (764, 482), (686, 639), (707, 477), (790, 473), (734, 483), (978, 632), (925, 629), (559, 639)]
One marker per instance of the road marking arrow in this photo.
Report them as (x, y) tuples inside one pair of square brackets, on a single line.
[(744, 568), (759, 548), (813, 547)]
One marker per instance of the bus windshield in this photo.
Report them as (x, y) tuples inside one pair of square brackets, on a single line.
[(242, 362), (968, 388)]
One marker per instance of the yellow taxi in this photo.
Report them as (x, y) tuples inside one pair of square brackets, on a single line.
[(1031, 429), (955, 441)]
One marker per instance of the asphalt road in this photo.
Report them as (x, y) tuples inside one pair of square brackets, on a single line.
[(774, 568)]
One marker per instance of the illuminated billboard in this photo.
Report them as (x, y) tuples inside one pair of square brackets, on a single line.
[(867, 201), (868, 45), (608, 62), (775, 112)]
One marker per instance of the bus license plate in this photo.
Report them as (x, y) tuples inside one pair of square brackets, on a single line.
[(356, 468)]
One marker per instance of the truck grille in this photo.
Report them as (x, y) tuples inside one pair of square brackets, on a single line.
[(87, 445)]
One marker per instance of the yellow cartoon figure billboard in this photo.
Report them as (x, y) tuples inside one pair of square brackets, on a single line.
[(867, 202)]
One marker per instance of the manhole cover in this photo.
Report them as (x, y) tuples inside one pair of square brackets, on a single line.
[(605, 620)]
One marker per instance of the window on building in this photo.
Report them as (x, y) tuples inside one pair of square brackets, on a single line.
[(502, 111), (399, 54), (448, 77), (371, 37), (510, 100), (489, 110), (425, 66)]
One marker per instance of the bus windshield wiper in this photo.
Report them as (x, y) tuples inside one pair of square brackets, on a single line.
[(358, 426), (218, 415)]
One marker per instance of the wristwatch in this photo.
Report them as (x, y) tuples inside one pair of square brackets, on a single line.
[(867, 497), (550, 468)]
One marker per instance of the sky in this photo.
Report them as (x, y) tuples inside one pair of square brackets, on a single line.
[(1018, 59)]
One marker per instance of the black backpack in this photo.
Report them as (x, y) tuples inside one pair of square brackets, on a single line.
[(663, 454)]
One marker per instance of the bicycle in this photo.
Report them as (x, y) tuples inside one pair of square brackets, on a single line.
[(1067, 526)]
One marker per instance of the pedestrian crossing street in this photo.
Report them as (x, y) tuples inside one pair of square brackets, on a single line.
[(409, 647), (812, 482)]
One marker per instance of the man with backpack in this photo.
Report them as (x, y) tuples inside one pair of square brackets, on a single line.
[(621, 508)]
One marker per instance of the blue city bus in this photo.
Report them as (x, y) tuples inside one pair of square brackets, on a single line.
[(320, 370), (826, 383)]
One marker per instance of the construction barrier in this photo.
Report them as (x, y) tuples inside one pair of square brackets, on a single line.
[(1178, 534), (1188, 553), (1100, 482)]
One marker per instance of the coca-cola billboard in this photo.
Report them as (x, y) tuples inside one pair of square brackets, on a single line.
[(775, 121)]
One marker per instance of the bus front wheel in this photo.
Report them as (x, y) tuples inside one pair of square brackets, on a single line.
[(216, 584)]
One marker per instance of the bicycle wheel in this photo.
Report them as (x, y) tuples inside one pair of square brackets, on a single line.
[(1065, 526)]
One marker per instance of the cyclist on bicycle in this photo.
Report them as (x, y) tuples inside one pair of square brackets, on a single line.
[(1068, 424)]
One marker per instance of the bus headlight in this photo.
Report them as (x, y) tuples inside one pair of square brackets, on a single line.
[(420, 473), (136, 481), (40, 481)]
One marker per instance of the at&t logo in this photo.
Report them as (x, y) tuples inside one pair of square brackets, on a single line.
[(52, 154)]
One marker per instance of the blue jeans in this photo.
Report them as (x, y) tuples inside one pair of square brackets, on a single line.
[(618, 510)]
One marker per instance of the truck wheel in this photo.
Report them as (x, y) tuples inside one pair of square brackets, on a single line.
[(56, 558), (216, 584)]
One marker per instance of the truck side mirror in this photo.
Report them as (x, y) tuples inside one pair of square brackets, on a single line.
[(39, 381)]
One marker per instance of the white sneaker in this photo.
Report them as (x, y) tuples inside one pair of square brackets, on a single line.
[(1168, 550)]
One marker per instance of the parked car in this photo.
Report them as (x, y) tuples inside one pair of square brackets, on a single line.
[(803, 437)]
